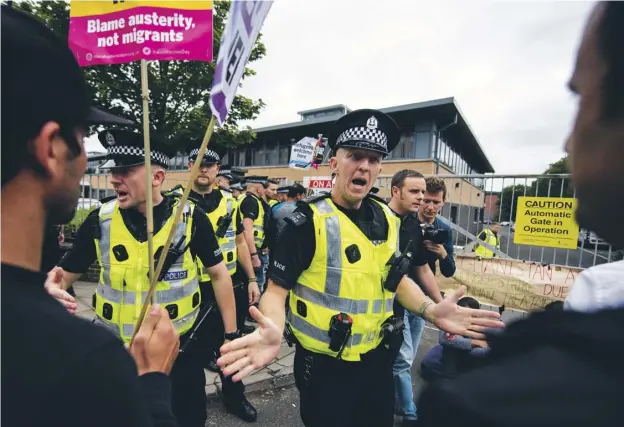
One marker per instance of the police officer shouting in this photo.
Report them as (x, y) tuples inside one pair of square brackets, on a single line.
[(115, 235), (224, 214), (338, 259)]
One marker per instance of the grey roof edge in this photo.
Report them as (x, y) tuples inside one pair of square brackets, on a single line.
[(330, 107), (461, 114)]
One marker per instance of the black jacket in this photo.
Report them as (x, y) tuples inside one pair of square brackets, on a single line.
[(552, 369)]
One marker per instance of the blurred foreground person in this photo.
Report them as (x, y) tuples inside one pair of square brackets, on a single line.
[(563, 368), (50, 357)]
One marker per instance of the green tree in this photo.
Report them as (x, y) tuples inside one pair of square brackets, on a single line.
[(554, 187), (179, 90), (508, 201)]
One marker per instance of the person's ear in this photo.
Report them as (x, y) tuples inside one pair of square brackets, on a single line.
[(48, 150), (158, 177)]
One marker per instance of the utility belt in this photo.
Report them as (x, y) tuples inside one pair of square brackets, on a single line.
[(340, 328)]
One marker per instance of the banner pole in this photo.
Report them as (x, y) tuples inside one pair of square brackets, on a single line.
[(176, 220), (149, 202)]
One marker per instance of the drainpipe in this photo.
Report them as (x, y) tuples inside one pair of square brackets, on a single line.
[(437, 143)]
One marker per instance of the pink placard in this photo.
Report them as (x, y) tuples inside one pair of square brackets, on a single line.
[(151, 33)]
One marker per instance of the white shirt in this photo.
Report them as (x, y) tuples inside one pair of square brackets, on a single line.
[(597, 288)]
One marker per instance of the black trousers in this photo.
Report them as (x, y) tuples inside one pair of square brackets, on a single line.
[(188, 382), (335, 393)]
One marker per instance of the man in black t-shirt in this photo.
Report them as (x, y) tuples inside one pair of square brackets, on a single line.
[(50, 357), (408, 188)]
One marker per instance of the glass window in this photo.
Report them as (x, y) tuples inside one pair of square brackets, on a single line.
[(226, 158), (408, 145), (259, 156), (284, 154), (271, 155)]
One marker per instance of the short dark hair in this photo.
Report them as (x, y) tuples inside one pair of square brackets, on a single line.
[(554, 306), (295, 190), (469, 302), (398, 179), (435, 185), (610, 35)]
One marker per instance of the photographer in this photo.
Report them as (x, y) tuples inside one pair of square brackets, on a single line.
[(438, 238)]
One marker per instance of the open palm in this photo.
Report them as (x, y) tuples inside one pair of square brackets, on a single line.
[(254, 351), (468, 322)]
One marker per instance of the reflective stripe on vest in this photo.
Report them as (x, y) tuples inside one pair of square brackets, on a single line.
[(124, 282), (258, 224), (325, 297), (227, 244)]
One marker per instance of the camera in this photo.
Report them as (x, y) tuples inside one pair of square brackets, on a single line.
[(436, 235)]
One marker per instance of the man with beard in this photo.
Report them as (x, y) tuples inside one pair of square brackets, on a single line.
[(49, 357), (223, 212), (563, 368), (336, 260), (115, 235)]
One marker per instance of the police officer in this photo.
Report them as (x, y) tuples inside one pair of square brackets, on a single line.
[(115, 235), (282, 194), (337, 258), (237, 189), (224, 177), (256, 219), (491, 237), (223, 212)]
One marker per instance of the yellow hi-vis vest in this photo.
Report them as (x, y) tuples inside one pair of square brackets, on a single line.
[(490, 239), (272, 202), (124, 281), (227, 206), (332, 284), (258, 224)]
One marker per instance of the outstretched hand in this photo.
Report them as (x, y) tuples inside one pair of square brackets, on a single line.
[(54, 288), (468, 322), (254, 351)]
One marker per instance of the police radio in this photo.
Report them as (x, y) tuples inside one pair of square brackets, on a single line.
[(339, 332), (223, 224), (399, 267)]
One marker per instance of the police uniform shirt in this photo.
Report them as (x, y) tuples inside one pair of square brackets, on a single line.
[(249, 209), (296, 245), (203, 240), (209, 202)]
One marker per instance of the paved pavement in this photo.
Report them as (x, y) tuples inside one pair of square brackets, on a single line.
[(271, 389)]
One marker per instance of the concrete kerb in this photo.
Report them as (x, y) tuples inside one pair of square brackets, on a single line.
[(276, 375)]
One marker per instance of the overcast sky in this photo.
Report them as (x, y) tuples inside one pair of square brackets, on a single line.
[(506, 64)]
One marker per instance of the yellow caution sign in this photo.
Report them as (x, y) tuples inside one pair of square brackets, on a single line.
[(546, 221)]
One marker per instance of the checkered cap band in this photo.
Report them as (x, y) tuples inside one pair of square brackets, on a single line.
[(208, 155), (224, 172), (125, 150), (358, 134)]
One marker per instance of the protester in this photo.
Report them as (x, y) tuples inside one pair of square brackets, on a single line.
[(562, 368), (408, 188), (438, 238), (49, 357), (283, 209)]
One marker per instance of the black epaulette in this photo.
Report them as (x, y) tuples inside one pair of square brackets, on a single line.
[(377, 198), (297, 219), (315, 198), (107, 199), (172, 192)]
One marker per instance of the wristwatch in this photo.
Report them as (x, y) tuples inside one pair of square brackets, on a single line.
[(232, 335)]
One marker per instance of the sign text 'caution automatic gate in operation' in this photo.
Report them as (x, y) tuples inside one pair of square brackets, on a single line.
[(546, 221)]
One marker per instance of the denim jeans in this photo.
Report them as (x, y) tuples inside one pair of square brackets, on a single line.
[(262, 270), (402, 370)]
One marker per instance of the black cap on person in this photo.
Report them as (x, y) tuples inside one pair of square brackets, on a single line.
[(365, 129), (226, 171), (255, 179), (125, 148)]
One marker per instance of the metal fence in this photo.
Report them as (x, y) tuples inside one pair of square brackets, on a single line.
[(472, 203), (475, 201)]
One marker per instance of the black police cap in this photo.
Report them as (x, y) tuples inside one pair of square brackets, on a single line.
[(365, 129), (226, 171), (125, 148), (283, 190), (255, 179), (42, 81), (210, 157)]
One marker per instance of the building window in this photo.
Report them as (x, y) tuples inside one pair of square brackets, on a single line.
[(272, 156), (259, 156), (284, 154), (249, 157)]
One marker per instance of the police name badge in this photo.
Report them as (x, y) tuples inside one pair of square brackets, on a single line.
[(175, 275)]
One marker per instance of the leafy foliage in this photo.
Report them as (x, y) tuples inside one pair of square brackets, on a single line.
[(179, 90)]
